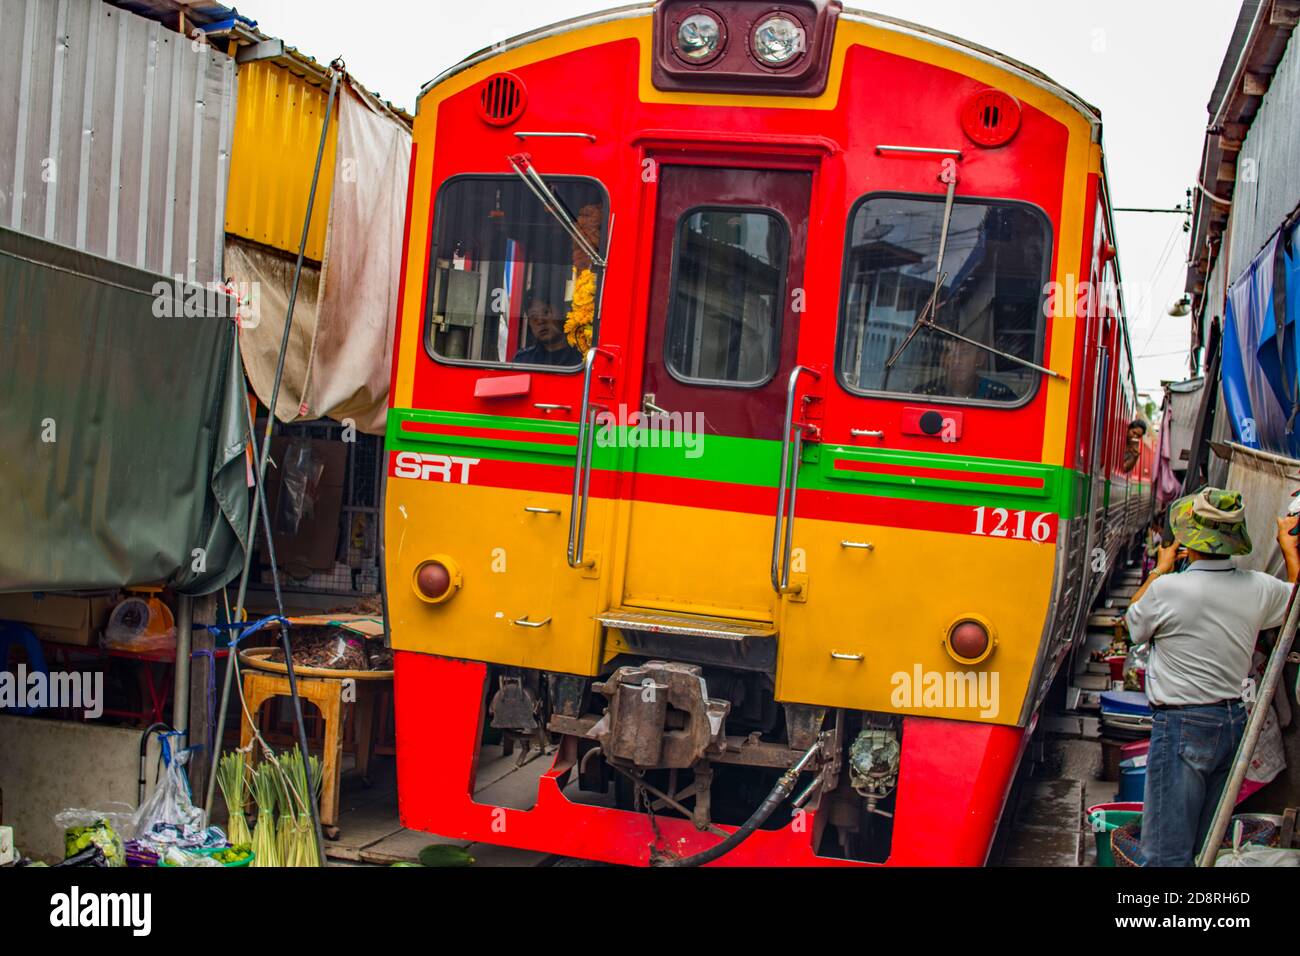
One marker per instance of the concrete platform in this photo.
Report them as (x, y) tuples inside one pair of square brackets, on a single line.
[(371, 832)]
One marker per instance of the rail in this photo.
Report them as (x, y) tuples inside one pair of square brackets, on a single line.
[(781, 550), (576, 550)]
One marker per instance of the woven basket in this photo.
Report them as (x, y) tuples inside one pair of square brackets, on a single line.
[(1126, 841)]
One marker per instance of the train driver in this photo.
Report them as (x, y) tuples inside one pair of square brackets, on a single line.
[(550, 345), (962, 365)]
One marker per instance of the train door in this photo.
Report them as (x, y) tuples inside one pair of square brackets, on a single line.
[(722, 328)]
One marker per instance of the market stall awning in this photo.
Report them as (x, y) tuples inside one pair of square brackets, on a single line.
[(124, 426)]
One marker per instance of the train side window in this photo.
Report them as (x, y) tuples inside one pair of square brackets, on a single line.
[(724, 321), (504, 273), (995, 266)]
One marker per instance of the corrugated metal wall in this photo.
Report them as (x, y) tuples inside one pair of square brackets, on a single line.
[(277, 133), (115, 135), (1268, 174)]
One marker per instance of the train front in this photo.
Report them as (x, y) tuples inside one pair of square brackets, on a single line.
[(731, 457)]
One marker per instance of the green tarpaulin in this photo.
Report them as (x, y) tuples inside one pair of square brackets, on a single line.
[(122, 428)]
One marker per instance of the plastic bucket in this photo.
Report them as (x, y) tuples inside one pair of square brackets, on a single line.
[(1132, 781), (1116, 665), (1106, 817)]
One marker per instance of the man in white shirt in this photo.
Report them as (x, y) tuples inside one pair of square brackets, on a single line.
[(1202, 625)]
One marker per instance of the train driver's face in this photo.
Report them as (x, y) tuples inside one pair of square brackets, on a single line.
[(545, 325)]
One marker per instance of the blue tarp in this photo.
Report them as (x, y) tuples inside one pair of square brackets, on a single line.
[(1261, 357)]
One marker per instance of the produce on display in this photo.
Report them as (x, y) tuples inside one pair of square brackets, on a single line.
[(329, 649), (233, 779), (304, 781), (264, 794), (84, 830)]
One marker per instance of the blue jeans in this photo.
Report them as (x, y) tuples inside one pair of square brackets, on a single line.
[(1190, 758)]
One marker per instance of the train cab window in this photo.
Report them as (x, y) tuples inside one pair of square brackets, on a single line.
[(725, 318), (995, 268), (504, 273)]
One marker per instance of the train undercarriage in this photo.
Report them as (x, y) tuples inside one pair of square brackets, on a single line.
[(665, 763), (709, 745)]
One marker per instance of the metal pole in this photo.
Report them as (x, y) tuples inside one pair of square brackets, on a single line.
[(1254, 726), (181, 691), (261, 474)]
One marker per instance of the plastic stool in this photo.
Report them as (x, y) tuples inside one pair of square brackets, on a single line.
[(13, 633)]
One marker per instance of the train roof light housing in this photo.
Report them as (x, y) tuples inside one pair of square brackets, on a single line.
[(701, 36), (744, 47), (991, 118), (778, 41)]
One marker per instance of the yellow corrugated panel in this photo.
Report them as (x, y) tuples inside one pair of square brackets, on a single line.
[(277, 132)]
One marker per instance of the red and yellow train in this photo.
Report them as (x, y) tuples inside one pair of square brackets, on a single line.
[(757, 438)]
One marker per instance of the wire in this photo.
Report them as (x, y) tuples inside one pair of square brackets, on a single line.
[(1159, 271)]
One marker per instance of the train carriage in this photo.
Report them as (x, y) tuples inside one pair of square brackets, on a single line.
[(757, 436)]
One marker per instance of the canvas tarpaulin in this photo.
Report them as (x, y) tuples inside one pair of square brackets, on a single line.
[(1261, 357), (340, 348), (122, 426), (1265, 482)]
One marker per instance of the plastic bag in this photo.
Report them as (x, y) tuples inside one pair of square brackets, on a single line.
[(168, 816), (1254, 855), (1135, 666), (140, 627), (299, 479), (88, 829)]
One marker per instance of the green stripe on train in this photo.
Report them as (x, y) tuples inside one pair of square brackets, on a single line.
[(946, 479)]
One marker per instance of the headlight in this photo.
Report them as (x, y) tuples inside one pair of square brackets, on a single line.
[(699, 38), (970, 639), (436, 579), (779, 40)]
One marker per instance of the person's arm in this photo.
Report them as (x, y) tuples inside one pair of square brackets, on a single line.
[(1167, 555), (1290, 546)]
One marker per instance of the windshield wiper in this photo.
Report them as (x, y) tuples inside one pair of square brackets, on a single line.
[(925, 318), (931, 304), (930, 324), (523, 167)]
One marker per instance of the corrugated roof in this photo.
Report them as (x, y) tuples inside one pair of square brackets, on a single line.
[(114, 135), (201, 13)]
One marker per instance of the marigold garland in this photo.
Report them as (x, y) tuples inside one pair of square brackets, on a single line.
[(582, 313)]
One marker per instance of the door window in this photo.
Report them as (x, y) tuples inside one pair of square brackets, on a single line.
[(724, 323)]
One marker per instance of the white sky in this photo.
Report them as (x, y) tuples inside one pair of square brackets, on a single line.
[(1150, 65)]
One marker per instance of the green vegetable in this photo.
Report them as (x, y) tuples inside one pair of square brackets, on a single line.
[(444, 854), (264, 794), (232, 778)]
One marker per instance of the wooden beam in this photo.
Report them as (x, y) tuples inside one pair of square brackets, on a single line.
[(202, 677), (1254, 84), (1285, 13), (1229, 145), (1227, 171)]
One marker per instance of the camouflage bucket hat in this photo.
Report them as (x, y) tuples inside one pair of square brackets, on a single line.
[(1212, 521)]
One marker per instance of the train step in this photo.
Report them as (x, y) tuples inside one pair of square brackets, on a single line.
[(731, 642), (694, 625), (1107, 619)]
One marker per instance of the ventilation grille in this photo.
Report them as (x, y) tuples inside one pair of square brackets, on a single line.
[(991, 118), (501, 99)]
